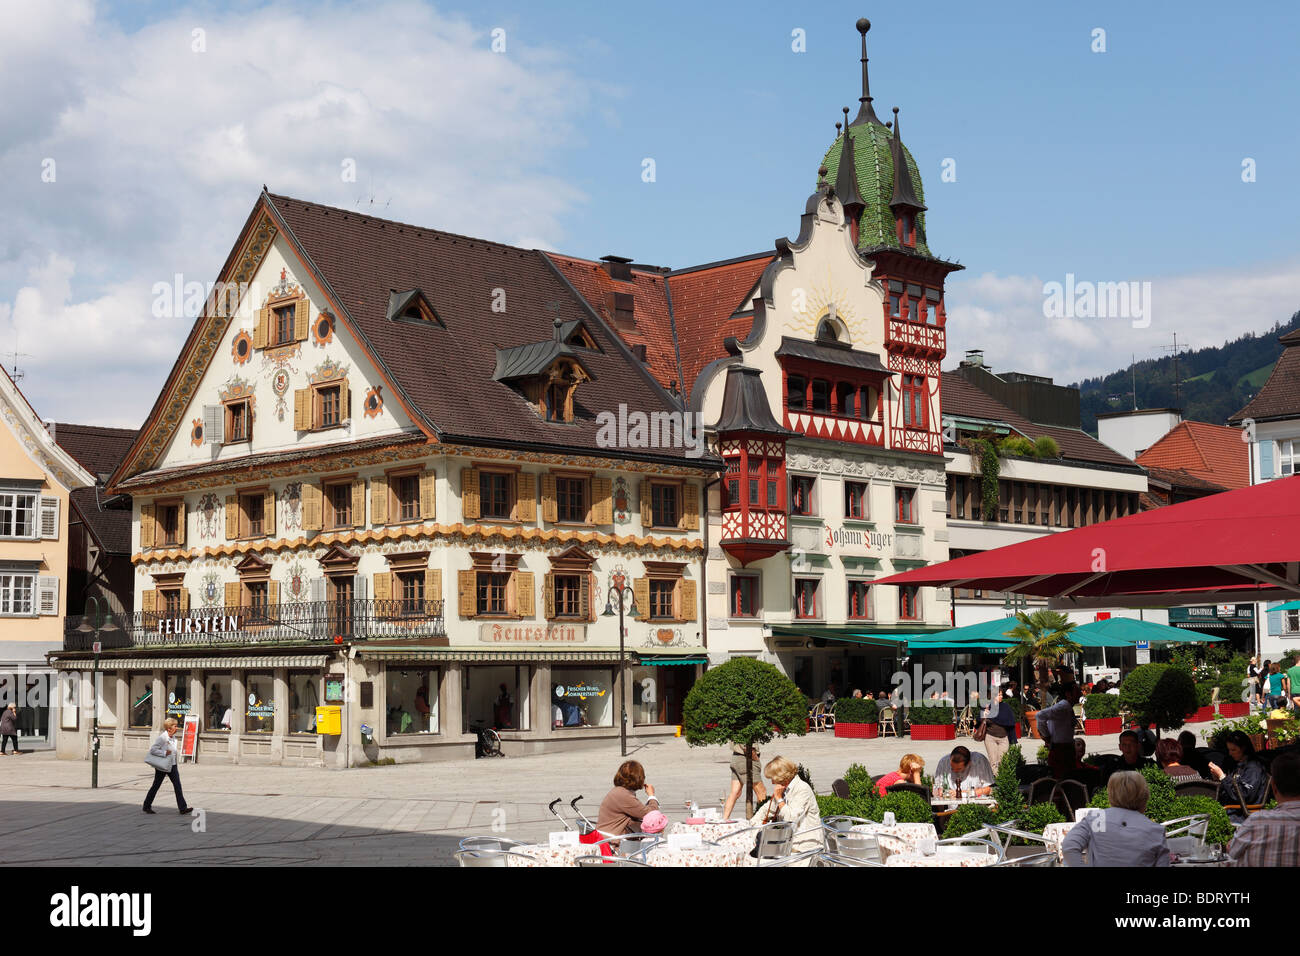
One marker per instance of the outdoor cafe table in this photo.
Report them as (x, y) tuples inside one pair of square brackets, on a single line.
[(547, 855), (944, 856), (661, 855), (1054, 834), (710, 832), (961, 801), (910, 833)]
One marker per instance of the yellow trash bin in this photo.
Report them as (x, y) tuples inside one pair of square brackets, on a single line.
[(329, 720)]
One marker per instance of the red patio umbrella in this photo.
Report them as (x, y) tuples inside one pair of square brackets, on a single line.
[(1241, 545)]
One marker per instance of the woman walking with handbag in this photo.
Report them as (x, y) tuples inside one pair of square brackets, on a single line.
[(162, 757)]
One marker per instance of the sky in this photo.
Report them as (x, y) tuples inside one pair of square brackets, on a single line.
[(1151, 144)]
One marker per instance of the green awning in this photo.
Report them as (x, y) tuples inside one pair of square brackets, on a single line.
[(651, 661), (985, 637), (1288, 606), (850, 635), (1127, 631)]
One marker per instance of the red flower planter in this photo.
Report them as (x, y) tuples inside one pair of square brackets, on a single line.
[(1100, 726), (1200, 716), (857, 731), (934, 732), (1237, 709)]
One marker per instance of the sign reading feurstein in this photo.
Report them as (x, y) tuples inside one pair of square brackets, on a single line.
[(497, 633), (216, 623)]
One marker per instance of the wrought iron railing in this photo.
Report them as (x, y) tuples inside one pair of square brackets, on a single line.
[(310, 622)]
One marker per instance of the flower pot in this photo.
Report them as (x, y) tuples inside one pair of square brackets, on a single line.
[(934, 732), (1100, 726), (1031, 717), (1257, 740), (1234, 709), (857, 731)]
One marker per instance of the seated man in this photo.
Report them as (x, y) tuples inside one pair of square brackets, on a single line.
[(1272, 837), (966, 773), (1129, 757)]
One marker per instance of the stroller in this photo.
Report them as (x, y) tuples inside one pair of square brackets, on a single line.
[(587, 832)]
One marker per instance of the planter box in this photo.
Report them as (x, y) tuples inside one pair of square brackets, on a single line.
[(1100, 726), (1031, 717), (857, 731), (934, 732), (1200, 715), (1235, 709)]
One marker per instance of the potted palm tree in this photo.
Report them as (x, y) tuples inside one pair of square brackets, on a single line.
[(1042, 640)]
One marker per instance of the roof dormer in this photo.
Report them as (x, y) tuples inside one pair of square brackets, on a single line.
[(411, 306), (546, 373)]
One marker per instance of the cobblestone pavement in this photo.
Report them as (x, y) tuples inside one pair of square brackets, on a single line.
[(412, 814)]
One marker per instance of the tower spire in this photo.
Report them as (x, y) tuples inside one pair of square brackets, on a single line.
[(846, 172), (865, 113), (904, 193)]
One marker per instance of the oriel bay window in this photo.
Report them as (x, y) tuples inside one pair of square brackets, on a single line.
[(664, 594), (914, 400), (495, 588)]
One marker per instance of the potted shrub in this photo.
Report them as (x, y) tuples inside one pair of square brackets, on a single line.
[(1158, 694), (1101, 715), (932, 721), (856, 717)]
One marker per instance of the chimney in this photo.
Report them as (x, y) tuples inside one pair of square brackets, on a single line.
[(618, 268), (621, 307), (974, 357)]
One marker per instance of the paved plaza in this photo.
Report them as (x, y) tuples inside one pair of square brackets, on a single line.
[(413, 814)]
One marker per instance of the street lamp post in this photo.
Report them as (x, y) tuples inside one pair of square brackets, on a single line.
[(94, 613), (622, 681)]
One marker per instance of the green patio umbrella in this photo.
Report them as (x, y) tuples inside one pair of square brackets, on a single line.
[(1288, 606), (1127, 631)]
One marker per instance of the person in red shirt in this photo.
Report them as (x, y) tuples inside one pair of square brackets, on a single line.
[(909, 771)]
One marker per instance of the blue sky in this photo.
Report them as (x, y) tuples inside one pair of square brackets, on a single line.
[(1122, 165)]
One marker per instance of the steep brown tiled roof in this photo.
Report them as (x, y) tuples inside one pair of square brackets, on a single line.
[(446, 372), (704, 299), (654, 325), (962, 398), (111, 527), (1214, 453), (1280, 396), (1179, 478), (96, 449)]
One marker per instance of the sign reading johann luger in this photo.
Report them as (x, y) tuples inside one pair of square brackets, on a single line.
[(499, 633)]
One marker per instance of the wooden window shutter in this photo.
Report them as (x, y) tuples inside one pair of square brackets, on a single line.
[(47, 595), (526, 507), (233, 591), (550, 511), (690, 517), (261, 328), (268, 513), (148, 601), (302, 409), (548, 595), (584, 596), (345, 401), (359, 503), (428, 481), (379, 499), (647, 511), (272, 594), (301, 323), (49, 507), (383, 586), (185, 599), (469, 493), (232, 517), (641, 597), (146, 526), (689, 601), (313, 517), (180, 524), (602, 501), (525, 604), (433, 584), (468, 585)]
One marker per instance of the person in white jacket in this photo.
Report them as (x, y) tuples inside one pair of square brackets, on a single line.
[(164, 752), (793, 801)]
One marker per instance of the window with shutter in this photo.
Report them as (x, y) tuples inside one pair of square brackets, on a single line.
[(688, 603), (268, 513), (302, 409), (379, 499), (525, 594), (261, 330), (602, 499), (549, 508), (146, 526), (301, 319), (690, 520), (467, 594), (48, 596), (641, 598), (427, 485), (359, 503), (433, 586), (49, 518), (469, 493), (312, 507), (526, 510)]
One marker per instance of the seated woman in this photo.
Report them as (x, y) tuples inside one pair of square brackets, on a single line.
[(620, 811), (1121, 835), (1248, 777), (793, 801), (1169, 757), (909, 771)]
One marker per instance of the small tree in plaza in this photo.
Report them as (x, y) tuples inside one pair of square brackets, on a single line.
[(1159, 694), (1044, 639), (744, 702)]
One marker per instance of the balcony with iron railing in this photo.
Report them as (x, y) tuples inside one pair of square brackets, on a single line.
[(304, 622)]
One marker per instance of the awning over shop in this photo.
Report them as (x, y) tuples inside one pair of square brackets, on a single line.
[(652, 661), (851, 635), (1233, 546), (1288, 606), (191, 663), (473, 655), (1127, 631)]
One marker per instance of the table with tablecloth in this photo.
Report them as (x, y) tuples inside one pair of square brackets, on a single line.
[(1054, 834), (945, 856), (546, 855), (662, 855), (910, 833), (710, 832)]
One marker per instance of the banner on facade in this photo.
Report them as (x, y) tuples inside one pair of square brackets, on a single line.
[(502, 633)]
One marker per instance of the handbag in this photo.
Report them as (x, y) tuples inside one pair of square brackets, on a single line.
[(163, 763), (978, 734)]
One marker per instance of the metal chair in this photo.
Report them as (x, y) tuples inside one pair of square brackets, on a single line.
[(1033, 859), (471, 858), (1194, 825), (887, 728), (774, 839), (609, 861), (835, 859), (631, 844), (889, 845), (971, 841), (1041, 790), (489, 843), (1073, 794), (841, 789), (1197, 788), (1079, 727), (1003, 833), (856, 846), (790, 859)]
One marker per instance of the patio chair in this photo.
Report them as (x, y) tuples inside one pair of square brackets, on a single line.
[(471, 858), (971, 842), (630, 844), (832, 827), (828, 717), (835, 859), (841, 789), (965, 723), (1033, 859), (815, 717), (1078, 719), (856, 846), (889, 845), (774, 839), (1070, 796), (609, 861), (489, 843), (1194, 825), (1041, 790), (790, 859), (1003, 833), (1197, 788), (887, 728)]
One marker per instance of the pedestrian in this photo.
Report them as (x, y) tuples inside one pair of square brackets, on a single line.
[(999, 729), (1056, 726), (739, 779), (1293, 682), (9, 730), (1274, 696), (162, 757), (1253, 674)]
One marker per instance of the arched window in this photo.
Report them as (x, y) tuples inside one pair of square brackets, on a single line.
[(826, 332)]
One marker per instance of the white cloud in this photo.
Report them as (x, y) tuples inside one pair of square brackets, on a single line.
[(160, 152)]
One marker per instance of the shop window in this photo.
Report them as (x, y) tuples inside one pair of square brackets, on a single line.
[(909, 604), (259, 704), (796, 392), (176, 686), (807, 598), (411, 697), (496, 696), (104, 697), (141, 702), (905, 505), (801, 495), (855, 500), (859, 600), (304, 698), (219, 715), (582, 697), (743, 602), (658, 692)]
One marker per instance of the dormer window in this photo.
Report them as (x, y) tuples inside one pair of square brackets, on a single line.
[(557, 397), (907, 229)]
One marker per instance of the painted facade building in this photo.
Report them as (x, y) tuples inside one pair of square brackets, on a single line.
[(403, 480), (37, 480)]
